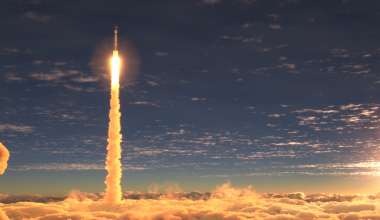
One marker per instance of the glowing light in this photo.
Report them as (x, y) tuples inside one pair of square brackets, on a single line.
[(113, 193), (115, 69), (4, 157)]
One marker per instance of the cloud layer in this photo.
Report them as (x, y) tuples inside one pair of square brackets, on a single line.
[(225, 202)]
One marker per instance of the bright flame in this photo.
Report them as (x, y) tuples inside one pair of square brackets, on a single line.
[(113, 192), (4, 157), (115, 69)]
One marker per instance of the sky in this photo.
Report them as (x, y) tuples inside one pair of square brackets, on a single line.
[(278, 94)]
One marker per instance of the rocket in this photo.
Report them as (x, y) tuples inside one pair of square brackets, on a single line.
[(115, 59), (113, 192), (115, 31)]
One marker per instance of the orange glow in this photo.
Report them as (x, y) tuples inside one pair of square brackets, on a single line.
[(113, 192), (4, 157)]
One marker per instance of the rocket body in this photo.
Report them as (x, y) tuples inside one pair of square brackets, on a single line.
[(115, 40)]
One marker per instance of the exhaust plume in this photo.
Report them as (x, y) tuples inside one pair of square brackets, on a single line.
[(4, 157), (113, 193)]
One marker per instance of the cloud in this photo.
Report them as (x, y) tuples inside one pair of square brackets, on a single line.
[(69, 166), (198, 99), (224, 203), (3, 216), (86, 79), (9, 199), (275, 115), (152, 83), (77, 88), (71, 79), (14, 51), (347, 207), (161, 54), (211, 2), (37, 17), (16, 128), (13, 77), (145, 103), (291, 143), (9, 51), (56, 75), (275, 27), (340, 118), (61, 167)]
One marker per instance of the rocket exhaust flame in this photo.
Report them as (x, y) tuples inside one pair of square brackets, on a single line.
[(113, 193), (4, 157)]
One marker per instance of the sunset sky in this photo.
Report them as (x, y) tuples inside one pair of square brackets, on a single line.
[(282, 95)]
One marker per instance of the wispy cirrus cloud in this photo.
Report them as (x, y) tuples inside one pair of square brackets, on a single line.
[(69, 78), (70, 167), (37, 17), (16, 128)]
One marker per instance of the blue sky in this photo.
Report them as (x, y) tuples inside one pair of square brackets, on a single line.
[(270, 93)]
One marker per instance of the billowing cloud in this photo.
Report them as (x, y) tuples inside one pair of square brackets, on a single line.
[(225, 203)]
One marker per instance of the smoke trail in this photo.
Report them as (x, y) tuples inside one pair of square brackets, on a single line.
[(113, 192), (4, 157)]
